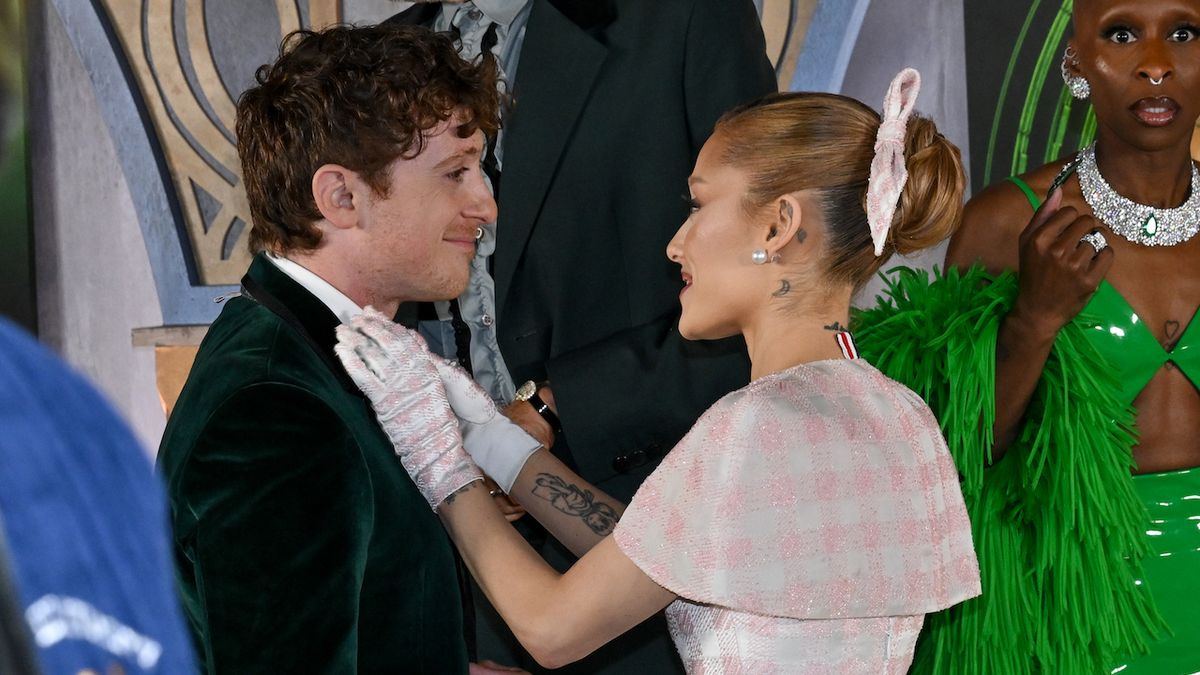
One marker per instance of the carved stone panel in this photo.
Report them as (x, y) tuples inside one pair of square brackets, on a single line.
[(191, 60)]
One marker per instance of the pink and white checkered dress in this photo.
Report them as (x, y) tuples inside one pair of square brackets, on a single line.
[(807, 522)]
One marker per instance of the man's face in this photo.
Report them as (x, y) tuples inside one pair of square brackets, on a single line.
[(420, 238)]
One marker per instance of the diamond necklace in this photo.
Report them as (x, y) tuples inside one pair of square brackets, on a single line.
[(1140, 224)]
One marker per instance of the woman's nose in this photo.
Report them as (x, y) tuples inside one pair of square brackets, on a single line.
[(675, 246), (1156, 64)]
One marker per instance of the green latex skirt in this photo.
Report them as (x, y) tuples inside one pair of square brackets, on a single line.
[(1172, 572)]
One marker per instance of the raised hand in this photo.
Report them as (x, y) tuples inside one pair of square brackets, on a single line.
[(1059, 271), (497, 445), (394, 369), (1058, 275)]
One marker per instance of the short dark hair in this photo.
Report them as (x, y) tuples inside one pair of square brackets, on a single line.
[(360, 97)]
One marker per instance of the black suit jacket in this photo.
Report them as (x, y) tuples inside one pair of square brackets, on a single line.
[(613, 100)]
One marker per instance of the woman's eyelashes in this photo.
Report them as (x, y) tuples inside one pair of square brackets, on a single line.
[(1185, 33), (692, 204), (1125, 35), (1120, 34)]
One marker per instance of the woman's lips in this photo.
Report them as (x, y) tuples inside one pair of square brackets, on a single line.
[(1158, 111), (687, 283)]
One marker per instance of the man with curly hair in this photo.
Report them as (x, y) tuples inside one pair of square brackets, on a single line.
[(300, 543)]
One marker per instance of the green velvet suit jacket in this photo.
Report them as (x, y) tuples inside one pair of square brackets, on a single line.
[(301, 545)]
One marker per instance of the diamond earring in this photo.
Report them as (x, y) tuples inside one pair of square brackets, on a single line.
[(1076, 84)]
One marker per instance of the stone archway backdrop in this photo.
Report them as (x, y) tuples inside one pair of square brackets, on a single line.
[(190, 59), (140, 221), (150, 86), (184, 63)]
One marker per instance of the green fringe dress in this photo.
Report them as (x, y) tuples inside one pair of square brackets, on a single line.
[(1059, 523)]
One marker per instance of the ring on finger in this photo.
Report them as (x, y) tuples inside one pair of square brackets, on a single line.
[(1096, 239)]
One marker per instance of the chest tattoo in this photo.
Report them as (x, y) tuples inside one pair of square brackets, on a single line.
[(1171, 332)]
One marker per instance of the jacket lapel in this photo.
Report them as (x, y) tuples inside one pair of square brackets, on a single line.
[(560, 63), (267, 285)]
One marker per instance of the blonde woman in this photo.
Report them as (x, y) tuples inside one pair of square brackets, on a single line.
[(809, 520)]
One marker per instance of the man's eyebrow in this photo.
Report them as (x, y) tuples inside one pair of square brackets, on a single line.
[(460, 156)]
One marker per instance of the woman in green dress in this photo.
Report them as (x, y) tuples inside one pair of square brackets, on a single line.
[(1074, 335)]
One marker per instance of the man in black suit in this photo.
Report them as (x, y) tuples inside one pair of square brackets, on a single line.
[(611, 102)]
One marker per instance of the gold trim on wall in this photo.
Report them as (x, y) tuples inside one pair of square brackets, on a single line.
[(175, 349), (784, 50), (322, 13), (193, 116), (193, 119)]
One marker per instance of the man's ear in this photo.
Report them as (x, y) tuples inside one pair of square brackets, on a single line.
[(337, 193), (787, 225)]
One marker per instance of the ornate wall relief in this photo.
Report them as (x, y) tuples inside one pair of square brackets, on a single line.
[(183, 64), (191, 59)]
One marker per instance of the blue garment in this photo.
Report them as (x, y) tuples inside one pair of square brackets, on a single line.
[(86, 524)]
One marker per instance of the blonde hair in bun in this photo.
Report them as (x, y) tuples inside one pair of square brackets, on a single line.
[(796, 141)]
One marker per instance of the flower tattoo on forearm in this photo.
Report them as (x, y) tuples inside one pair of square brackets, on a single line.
[(575, 501)]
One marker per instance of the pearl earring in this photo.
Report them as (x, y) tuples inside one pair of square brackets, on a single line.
[(759, 256)]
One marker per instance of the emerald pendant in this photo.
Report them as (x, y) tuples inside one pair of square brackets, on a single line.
[(1150, 225)]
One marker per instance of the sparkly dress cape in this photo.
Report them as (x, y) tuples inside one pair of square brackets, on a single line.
[(1057, 525), (808, 521)]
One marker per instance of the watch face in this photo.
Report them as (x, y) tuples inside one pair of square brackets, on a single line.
[(528, 389)]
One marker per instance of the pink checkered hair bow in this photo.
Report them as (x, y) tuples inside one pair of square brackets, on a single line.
[(888, 172)]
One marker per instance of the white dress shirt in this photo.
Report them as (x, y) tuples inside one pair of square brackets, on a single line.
[(342, 307)]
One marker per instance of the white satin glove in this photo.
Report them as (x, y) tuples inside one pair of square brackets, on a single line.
[(394, 369), (496, 443)]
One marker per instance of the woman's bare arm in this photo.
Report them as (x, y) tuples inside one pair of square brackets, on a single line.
[(576, 512), (1058, 275), (558, 618)]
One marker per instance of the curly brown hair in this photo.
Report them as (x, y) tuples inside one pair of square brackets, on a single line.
[(359, 97)]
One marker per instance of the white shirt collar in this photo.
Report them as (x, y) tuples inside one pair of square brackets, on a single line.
[(342, 307)]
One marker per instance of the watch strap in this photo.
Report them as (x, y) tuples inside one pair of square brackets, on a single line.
[(544, 410)]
